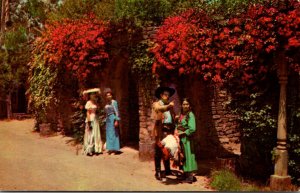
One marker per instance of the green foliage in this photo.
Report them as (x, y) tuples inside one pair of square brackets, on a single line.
[(15, 39), (77, 9), (143, 11), (43, 81), (36, 9), (14, 55), (259, 120), (142, 61), (225, 180), (293, 124), (229, 7), (78, 121), (105, 9), (251, 188), (294, 157), (257, 123), (73, 9)]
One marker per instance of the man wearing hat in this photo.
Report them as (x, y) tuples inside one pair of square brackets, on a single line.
[(162, 113)]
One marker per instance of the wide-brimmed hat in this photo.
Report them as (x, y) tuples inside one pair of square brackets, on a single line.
[(107, 90), (92, 90), (161, 89)]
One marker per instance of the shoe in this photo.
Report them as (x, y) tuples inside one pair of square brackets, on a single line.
[(168, 173), (158, 175), (181, 177), (194, 179), (189, 179)]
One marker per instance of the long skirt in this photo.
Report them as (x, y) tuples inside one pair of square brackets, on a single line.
[(92, 142), (112, 134), (190, 163)]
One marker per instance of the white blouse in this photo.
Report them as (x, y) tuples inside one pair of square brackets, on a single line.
[(92, 108)]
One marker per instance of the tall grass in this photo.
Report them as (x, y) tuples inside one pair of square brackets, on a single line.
[(225, 180)]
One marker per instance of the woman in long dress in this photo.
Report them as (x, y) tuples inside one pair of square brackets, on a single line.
[(112, 123), (186, 128), (92, 143)]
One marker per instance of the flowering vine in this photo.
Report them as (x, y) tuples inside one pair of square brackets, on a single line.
[(76, 45)]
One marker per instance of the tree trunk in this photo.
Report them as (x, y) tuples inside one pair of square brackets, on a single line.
[(8, 106), (4, 14)]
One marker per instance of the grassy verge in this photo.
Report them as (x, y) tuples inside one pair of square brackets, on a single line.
[(225, 180)]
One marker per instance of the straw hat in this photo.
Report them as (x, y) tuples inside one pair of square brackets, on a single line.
[(92, 90)]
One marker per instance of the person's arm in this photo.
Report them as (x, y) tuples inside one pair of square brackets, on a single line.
[(88, 113), (115, 104), (162, 108), (191, 124)]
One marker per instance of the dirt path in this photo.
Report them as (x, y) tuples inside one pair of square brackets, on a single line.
[(31, 162)]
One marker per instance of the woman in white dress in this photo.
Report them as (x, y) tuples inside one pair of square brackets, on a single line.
[(92, 143)]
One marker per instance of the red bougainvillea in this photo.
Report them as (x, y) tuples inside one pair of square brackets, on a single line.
[(226, 48), (181, 43), (76, 45)]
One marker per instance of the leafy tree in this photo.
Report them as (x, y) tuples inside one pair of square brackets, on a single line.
[(14, 58), (26, 19)]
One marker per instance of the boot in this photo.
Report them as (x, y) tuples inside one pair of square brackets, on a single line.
[(167, 167), (158, 175), (189, 178)]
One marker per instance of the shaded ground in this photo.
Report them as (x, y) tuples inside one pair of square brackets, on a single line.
[(31, 162)]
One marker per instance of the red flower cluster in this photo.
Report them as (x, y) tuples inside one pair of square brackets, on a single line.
[(78, 45), (181, 42), (223, 49)]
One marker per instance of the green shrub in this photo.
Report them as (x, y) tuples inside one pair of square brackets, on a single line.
[(257, 124), (142, 61), (36, 9), (225, 180), (14, 39), (42, 82), (250, 188), (142, 11), (73, 9), (78, 121)]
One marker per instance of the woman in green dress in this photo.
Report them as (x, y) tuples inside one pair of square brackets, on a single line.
[(186, 128)]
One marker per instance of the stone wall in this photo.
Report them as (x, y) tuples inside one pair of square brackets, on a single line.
[(146, 150), (225, 122), (146, 123)]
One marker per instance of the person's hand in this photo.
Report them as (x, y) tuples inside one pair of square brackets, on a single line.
[(116, 124), (171, 104)]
